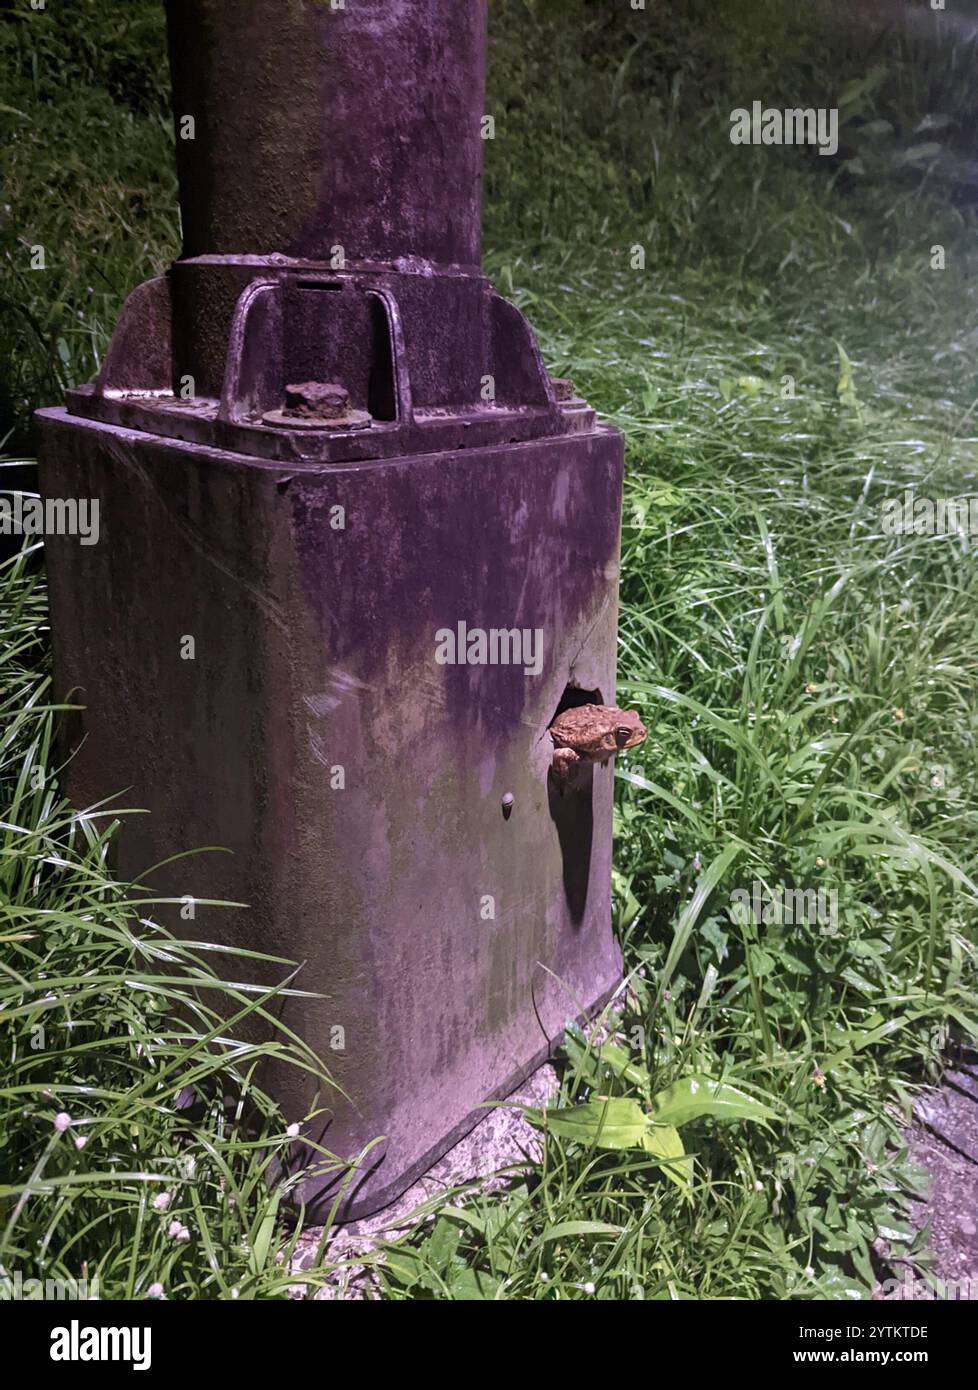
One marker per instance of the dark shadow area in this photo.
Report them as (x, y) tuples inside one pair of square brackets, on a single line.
[(571, 811)]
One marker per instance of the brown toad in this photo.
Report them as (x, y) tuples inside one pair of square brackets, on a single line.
[(593, 734)]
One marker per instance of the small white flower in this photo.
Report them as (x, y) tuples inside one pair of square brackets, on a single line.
[(155, 1291), (758, 1185), (292, 1132), (162, 1200), (62, 1122), (80, 1141), (544, 1278), (809, 1272), (174, 1229), (183, 1235), (588, 1287)]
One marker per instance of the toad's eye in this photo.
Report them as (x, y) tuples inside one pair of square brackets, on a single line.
[(622, 735)]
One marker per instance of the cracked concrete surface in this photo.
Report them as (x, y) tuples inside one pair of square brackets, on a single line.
[(502, 1140)]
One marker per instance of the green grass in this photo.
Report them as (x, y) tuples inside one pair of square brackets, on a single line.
[(808, 681)]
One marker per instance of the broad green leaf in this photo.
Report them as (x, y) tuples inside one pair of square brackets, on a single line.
[(619, 1060), (474, 1286), (663, 1141), (406, 1267), (592, 1061), (442, 1244), (607, 1124), (696, 1096)]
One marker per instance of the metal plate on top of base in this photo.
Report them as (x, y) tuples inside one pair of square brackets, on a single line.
[(281, 420)]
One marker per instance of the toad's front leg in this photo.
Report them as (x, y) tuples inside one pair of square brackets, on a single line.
[(563, 760)]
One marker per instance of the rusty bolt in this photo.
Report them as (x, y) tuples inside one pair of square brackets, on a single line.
[(563, 388), (317, 400)]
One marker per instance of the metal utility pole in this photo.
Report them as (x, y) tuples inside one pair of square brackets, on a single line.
[(357, 550)]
